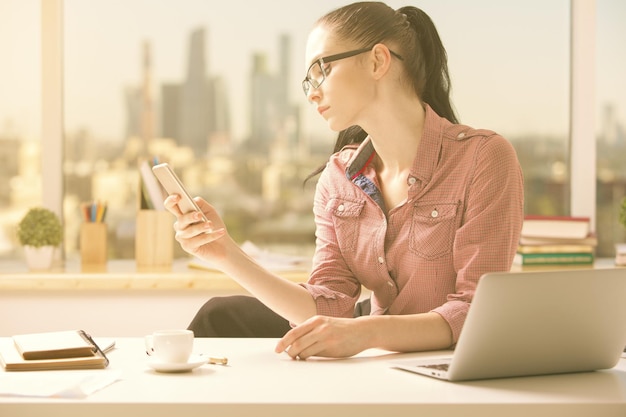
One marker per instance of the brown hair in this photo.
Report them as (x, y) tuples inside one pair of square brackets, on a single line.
[(413, 36)]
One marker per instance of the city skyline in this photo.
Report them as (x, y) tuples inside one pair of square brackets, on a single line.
[(479, 97), (195, 112), (513, 79)]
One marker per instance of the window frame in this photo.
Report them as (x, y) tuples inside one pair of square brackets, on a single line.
[(582, 155), (52, 119)]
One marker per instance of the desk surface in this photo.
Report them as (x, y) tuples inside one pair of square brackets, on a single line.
[(259, 382)]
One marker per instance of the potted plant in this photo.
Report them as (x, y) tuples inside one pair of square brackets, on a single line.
[(620, 248), (40, 232)]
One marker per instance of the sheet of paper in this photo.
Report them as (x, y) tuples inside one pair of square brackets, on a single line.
[(57, 384), (275, 262)]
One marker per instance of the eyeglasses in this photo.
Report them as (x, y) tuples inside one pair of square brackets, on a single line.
[(316, 74)]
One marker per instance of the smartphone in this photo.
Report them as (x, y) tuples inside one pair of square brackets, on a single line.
[(172, 184)]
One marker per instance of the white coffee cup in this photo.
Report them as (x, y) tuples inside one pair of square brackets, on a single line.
[(170, 346)]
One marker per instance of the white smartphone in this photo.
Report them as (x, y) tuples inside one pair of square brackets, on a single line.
[(172, 184)]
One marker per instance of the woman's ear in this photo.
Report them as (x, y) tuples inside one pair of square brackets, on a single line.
[(381, 60)]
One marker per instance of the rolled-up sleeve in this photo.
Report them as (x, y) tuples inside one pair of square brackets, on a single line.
[(332, 284)]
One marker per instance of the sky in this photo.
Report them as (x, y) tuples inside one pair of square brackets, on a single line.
[(509, 61)]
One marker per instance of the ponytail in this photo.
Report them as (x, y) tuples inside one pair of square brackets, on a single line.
[(429, 65)]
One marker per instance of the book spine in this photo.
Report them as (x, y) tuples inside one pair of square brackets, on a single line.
[(548, 249), (557, 218), (553, 258)]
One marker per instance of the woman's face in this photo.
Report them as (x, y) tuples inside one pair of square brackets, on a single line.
[(346, 89)]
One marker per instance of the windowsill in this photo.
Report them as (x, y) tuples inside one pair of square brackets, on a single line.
[(122, 275), (125, 275)]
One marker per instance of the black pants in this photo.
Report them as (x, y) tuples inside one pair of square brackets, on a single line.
[(245, 316)]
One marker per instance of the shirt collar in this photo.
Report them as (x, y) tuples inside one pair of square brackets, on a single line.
[(428, 153)]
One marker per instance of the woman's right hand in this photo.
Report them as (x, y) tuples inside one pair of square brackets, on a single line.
[(197, 237)]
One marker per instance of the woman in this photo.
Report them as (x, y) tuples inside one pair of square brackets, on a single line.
[(412, 205)]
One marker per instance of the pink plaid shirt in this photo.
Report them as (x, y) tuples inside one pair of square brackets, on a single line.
[(462, 218)]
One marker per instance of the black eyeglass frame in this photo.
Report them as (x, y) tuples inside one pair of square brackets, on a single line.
[(307, 83)]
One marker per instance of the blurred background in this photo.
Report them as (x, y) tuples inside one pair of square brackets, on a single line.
[(214, 88)]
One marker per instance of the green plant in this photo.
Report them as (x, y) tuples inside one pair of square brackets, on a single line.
[(40, 227)]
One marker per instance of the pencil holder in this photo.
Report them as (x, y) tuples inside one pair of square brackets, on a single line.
[(93, 243), (154, 239)]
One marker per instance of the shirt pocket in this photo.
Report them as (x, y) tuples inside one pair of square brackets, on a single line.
[(345, 214), (433, 226)]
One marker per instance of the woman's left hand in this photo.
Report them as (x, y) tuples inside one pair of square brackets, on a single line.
[(325, 336)]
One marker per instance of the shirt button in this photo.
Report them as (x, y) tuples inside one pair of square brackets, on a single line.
[(412, 180), (341, 207), (381, 260), (434, 213), (460, 135)]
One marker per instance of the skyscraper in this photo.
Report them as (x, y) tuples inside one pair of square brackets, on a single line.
[(140, 103), (272, 115), (170, 110), (195, 117), (264, 110), (203, 114), (148, 122)]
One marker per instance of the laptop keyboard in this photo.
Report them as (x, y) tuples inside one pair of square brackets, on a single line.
[(437, 366)]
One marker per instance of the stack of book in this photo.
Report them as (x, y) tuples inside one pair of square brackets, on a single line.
[(73, 349), (556, 240)]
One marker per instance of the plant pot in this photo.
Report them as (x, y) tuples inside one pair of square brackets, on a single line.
[(620, 254), (39, 258)]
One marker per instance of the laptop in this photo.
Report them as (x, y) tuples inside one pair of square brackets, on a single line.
[(537, 323)]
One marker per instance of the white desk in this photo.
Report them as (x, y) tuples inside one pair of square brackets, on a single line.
[(257, 382)]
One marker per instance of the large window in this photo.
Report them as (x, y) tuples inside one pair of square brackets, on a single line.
[(20, 101), (214, 88)]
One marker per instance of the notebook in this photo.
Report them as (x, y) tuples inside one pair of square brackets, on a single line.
[(54, 345), (537, 323), (73, 349)]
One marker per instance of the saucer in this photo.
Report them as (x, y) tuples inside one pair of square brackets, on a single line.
[(193, 362)]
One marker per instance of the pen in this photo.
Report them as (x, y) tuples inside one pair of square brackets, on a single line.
[(218, 360), (94, 212)]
